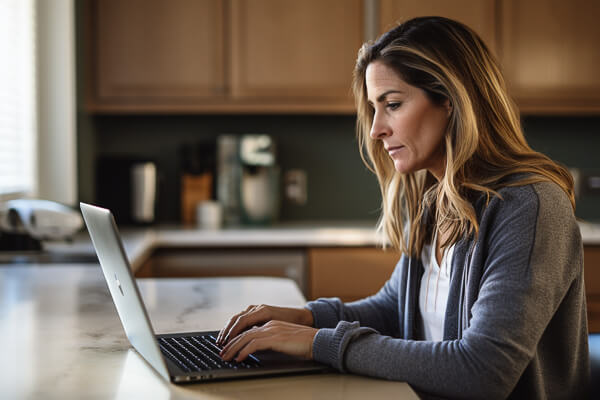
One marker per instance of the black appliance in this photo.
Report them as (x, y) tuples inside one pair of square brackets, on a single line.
[(118, 188)]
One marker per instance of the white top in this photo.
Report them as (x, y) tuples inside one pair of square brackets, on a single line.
[(433, 295)]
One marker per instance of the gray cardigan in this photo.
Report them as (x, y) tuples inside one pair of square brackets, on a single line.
[(515, 323)]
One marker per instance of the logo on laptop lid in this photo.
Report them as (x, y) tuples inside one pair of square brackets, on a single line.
[(119, 284)]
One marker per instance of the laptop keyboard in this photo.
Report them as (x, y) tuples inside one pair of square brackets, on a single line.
[(200, 353)]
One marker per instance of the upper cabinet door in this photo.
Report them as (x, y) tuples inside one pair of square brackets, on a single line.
[(479, 15), (157, 53), (551, 53), (295, 54)]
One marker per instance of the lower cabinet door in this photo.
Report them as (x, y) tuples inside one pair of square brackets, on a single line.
[(349, 273), (591, 268), (203, 263)]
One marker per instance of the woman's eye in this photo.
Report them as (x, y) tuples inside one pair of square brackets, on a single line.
[(393, 106)]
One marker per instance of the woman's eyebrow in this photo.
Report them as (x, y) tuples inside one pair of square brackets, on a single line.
[(383, 95)]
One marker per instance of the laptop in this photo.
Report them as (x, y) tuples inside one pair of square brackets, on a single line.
[(178, 357)]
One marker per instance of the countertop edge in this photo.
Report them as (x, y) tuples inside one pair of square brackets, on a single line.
[(139, 243)]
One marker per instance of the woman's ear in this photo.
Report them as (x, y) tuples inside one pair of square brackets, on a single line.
[(448, 107)]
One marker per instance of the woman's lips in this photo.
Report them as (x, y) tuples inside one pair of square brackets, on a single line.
[(394, 149)]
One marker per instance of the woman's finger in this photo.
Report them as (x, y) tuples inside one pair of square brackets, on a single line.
[(253, 345), (236, 343), (226, 328), (258, 315), (223, 332)]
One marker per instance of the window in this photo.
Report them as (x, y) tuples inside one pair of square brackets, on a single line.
[(18, 120)]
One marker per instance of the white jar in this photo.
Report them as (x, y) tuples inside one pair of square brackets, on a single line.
[(209, 215)]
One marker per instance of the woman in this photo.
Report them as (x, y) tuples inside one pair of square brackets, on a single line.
[(488, 298)]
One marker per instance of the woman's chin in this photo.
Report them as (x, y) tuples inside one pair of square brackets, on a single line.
[(402, 167)]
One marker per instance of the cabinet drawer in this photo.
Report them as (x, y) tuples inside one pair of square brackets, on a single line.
[(349, 274), (592, 286), (185, 263)]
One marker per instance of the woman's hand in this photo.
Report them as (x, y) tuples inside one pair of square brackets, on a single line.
[(258, 315), (280, 336)]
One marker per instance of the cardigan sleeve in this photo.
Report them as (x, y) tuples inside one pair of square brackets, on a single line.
[(527, 253)]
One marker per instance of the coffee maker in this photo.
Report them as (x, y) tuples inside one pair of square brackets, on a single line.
[(259, 186), (248, 179)]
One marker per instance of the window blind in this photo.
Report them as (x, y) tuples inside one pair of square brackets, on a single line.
[(18, 121)]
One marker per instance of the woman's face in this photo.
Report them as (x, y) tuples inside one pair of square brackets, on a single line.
[(410, 126)]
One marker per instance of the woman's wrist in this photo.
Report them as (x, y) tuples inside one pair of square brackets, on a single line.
[(306, 317)]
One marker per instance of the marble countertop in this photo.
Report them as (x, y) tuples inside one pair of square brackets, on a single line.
[(590, 232), (61, 338)]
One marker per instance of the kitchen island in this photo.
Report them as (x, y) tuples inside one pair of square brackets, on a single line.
[(316, 255), (60, 338)]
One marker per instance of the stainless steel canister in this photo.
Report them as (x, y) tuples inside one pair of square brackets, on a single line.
[(143, 192)]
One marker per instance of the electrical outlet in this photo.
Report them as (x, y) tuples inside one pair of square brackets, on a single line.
[(592, 183), (295, 186), (586, 182)]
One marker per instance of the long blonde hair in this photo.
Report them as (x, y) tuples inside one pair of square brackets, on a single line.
[(483, 144)]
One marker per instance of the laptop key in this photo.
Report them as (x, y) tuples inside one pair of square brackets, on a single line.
[(198, 359), (176, 356), (210, 354), (181, 354), (171, 357), (201, 354), (198, 356)]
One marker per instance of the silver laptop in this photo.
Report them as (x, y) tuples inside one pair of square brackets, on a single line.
[(182, 357)]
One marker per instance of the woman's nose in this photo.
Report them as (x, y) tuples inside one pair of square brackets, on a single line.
[(379, 129)]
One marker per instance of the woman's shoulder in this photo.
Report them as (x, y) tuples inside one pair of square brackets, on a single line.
[(543, 200), (535, 189)]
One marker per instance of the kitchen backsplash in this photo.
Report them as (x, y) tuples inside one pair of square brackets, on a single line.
[(339, 186), (575, 142)]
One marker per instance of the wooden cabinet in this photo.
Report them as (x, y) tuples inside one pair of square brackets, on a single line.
[(548, 48), (480, 15), (212, 262), (155, 54), (294, 50), (550, 53), (222, 55), (592, 286), (348, 273)]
